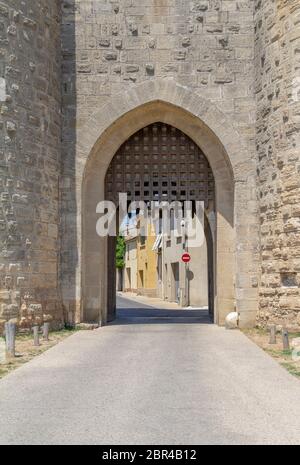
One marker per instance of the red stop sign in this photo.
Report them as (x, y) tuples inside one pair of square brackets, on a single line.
[(186, 258)]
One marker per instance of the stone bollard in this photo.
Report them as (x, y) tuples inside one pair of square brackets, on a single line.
[(285, 339), (10, 338), (36, 336), (272, 334), (46, 329)]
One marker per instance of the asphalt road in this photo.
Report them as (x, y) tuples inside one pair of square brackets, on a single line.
[(140, 381)]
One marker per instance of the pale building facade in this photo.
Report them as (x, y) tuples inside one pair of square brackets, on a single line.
[(154, 266)]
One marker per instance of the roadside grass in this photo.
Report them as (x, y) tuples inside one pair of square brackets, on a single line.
[(26, 351), (283, 357)]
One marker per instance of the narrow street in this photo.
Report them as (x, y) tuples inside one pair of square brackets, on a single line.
[(155, 376)]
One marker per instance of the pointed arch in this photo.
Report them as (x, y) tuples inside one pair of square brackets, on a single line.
[(228, 154)]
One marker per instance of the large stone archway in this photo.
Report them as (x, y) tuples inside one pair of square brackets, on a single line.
[(160, 164), (229, 157)]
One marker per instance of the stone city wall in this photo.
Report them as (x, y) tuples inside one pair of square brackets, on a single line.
[(30, 134)]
